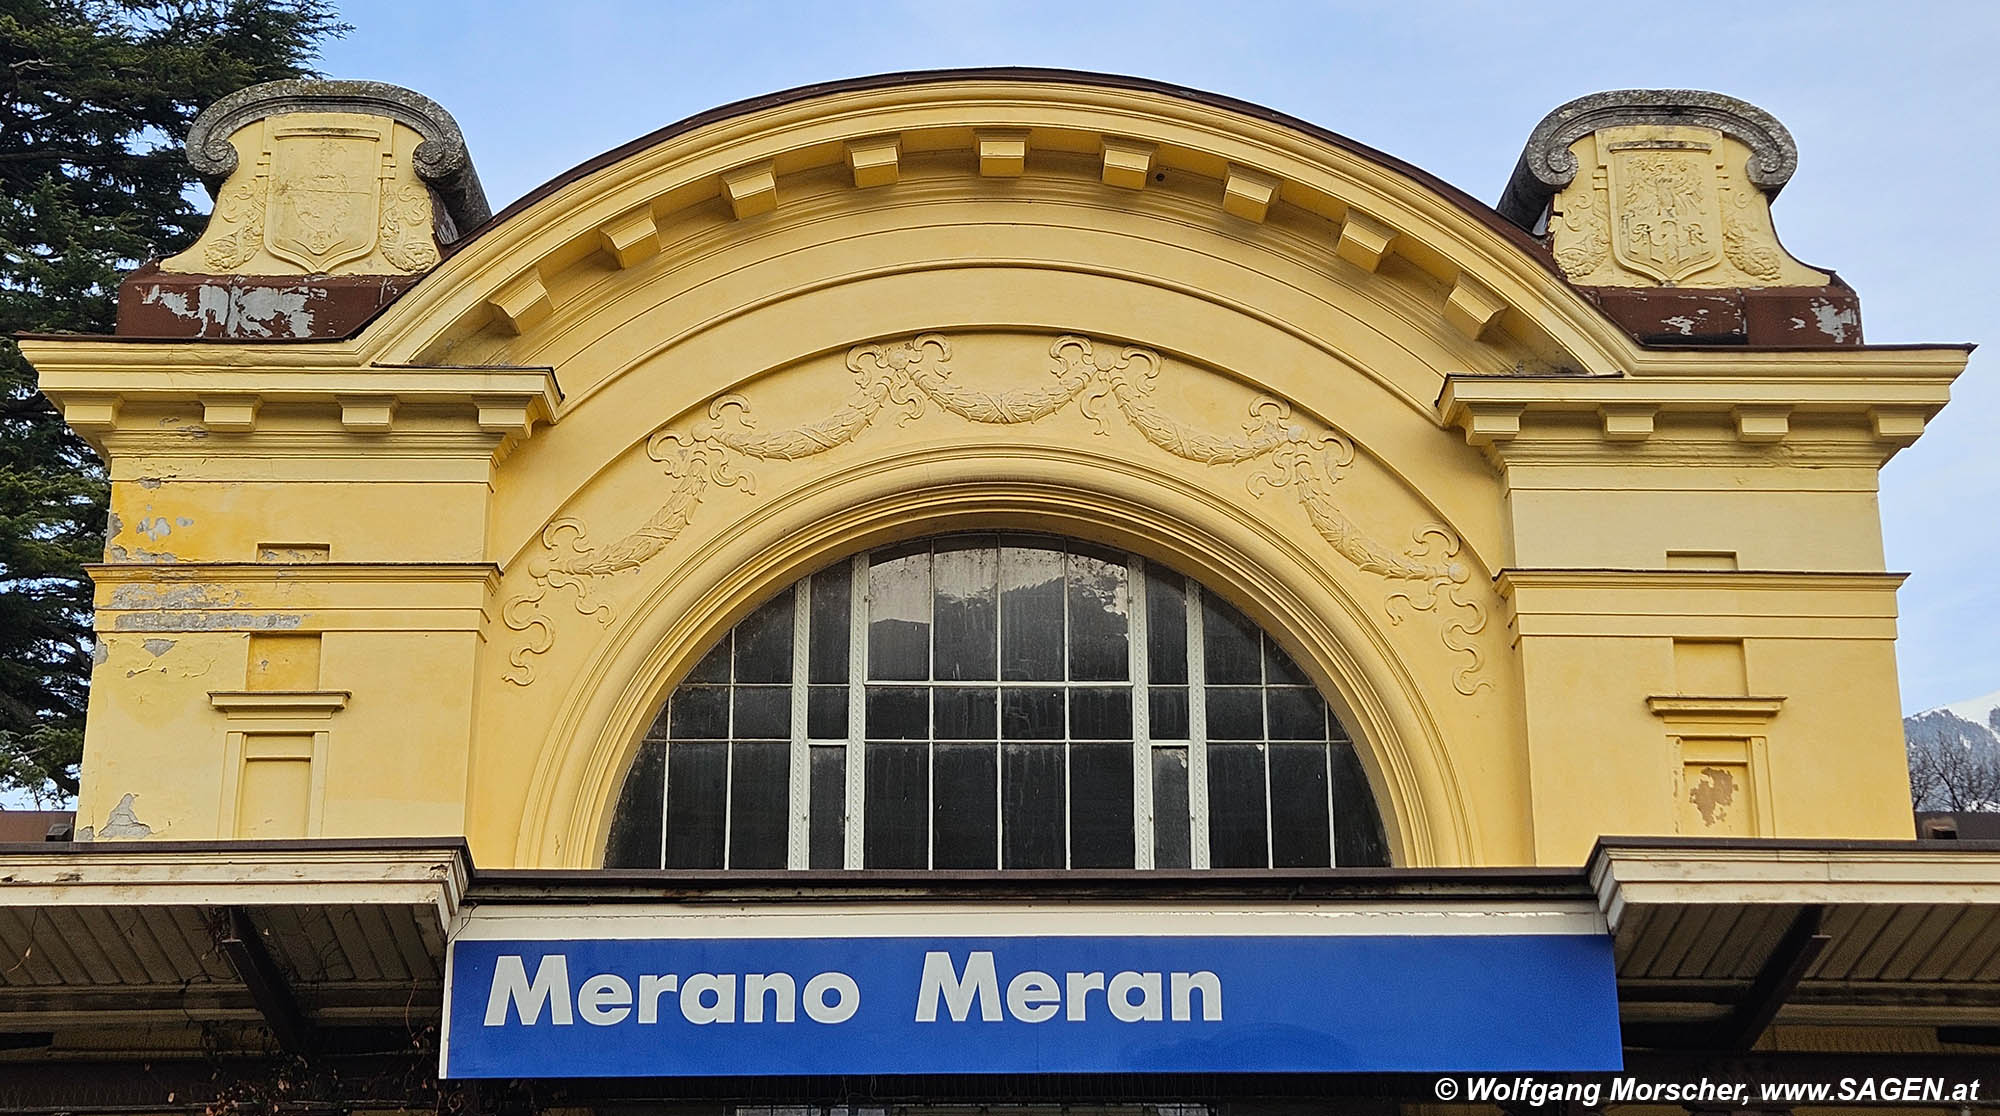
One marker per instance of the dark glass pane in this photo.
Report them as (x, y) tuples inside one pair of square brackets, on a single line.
[(967, 609), (1297, 713), (1235, 712), (1099, 619), (1357, 826), (1300, 837), (899, 616), (966, 811), (1236, 806), (1170, 808), (826, 831), (759, 804), (697, 796), (1168, 715), (1031, 714), (699, 713), (1230, 644), (1100, 805), (897, 806), (1031, 800), (714, 666), (964, 713), (830, 621), (826, 712), (762, 713), (764, 642), (1279, 669), (1166, 625), (1100, 713), (659, 729), (898, 713), (635, 826), (1031, 614), (1334, 729)]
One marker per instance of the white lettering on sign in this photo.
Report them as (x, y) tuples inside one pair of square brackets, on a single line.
[(960, 991), (1033, 996), (511, 987), (606, 999)]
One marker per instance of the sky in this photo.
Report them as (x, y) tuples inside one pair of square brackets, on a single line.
[(1892, 107)]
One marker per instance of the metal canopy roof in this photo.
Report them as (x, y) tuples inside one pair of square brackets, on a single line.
[(1713, 940)]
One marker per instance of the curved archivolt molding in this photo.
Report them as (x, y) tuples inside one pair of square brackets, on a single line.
[(689, 603), (996, 141)]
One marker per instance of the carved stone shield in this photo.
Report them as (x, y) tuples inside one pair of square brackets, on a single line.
[(326, 211), (1666, 208)]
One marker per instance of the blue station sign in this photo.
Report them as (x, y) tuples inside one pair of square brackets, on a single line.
[(653, 1007)]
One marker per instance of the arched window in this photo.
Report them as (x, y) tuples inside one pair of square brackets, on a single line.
[(995, 701)]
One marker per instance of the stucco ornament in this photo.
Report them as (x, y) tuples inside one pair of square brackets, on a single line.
[(1647, 187), (329, 177), (906, 377)]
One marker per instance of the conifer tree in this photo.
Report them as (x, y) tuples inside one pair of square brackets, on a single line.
[(95, 99)]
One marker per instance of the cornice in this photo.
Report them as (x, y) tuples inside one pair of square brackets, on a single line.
[(430, 872), (135, 573), (1681, 708), (314, 704), (1890, 394), (96, 383), (1509, 580), (508, 267)]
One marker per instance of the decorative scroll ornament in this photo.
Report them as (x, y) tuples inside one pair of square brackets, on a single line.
[(1583, 236), (1745, 248), (906, 378), (240, 214), (406, 228)]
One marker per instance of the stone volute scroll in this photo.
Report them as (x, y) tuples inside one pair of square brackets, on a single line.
[(327, 178), (1658, 203)]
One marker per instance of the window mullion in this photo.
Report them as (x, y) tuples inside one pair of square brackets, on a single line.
[(1197, 732), (857, 705), (1138, 648), (798, 845)]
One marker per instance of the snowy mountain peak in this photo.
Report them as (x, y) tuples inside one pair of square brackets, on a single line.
[(1978, 710)]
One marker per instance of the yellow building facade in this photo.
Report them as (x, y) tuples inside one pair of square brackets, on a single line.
[(1566, 510)]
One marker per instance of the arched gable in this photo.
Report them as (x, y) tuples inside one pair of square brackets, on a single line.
[(1345, 395)]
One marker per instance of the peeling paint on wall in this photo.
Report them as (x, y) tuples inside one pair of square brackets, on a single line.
[(206, 622), (1713, 795), (139, 597), (221, 309), (1834, 321), (123, 821)]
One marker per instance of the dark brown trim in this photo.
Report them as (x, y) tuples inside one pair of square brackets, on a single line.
[(1338, 884)]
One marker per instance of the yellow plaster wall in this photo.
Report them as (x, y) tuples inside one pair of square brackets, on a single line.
[(1384, 429)]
